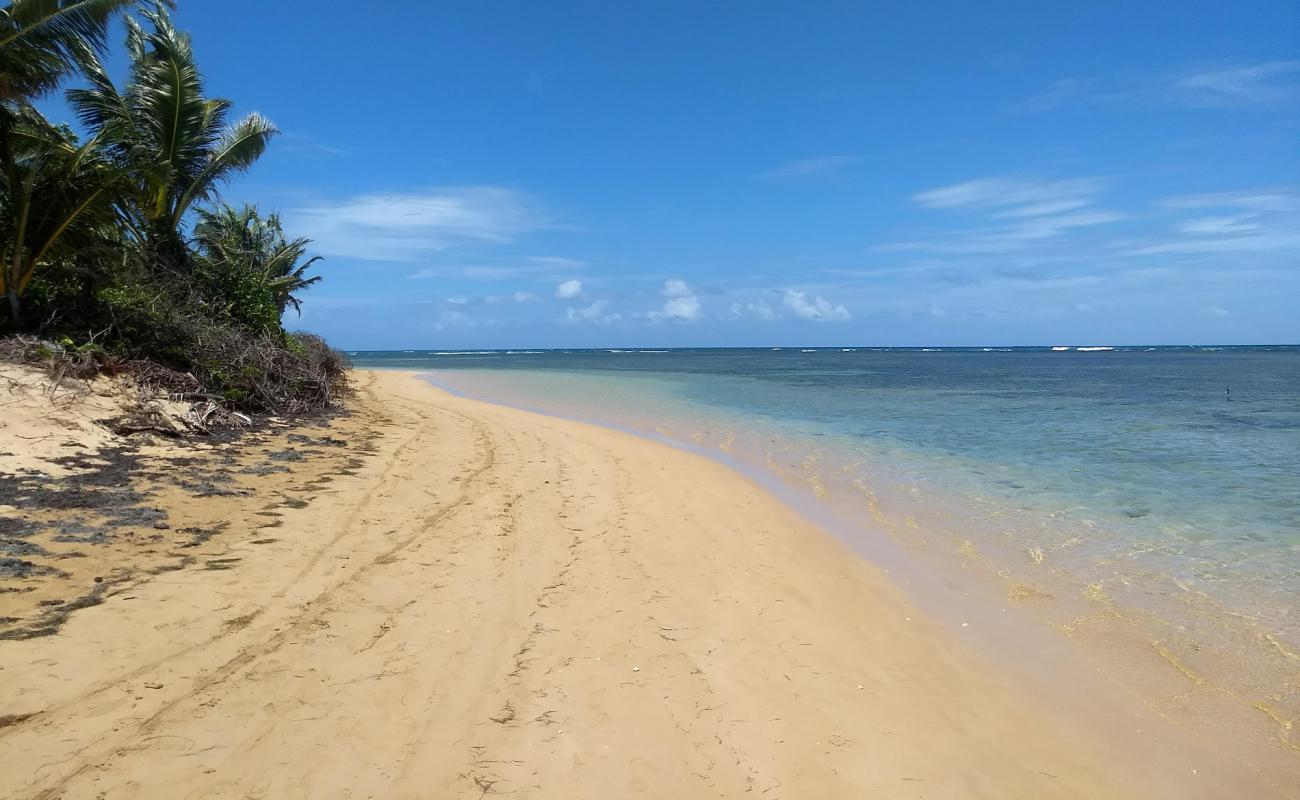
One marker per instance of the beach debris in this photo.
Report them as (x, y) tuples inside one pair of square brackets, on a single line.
[(505, 715), (636, 669)]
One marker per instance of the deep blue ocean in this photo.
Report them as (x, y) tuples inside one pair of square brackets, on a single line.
[(1162, 481)]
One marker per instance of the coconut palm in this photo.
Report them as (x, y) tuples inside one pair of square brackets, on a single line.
[(51, 189), (57, 197), (173, 142), (253, 260), (41, 42)]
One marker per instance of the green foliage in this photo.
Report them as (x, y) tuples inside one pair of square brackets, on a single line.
[(172, 141), (118, 240), (41, 42), (57, 197), (248, 261)]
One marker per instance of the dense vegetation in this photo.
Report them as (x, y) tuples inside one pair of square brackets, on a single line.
[(115, 243)]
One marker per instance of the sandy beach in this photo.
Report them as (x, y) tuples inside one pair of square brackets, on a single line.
[(471, 600)]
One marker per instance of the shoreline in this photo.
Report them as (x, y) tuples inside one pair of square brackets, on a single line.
[(498, 601), (1041, 639), (1118, 682)]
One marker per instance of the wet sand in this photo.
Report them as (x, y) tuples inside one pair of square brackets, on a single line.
[(494, 602)]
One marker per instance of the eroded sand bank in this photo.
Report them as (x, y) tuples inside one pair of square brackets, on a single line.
[(501, 603)]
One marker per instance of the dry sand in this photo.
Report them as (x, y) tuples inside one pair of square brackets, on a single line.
[(495, 603)]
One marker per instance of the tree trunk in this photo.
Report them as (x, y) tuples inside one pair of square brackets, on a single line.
[(14, 307)]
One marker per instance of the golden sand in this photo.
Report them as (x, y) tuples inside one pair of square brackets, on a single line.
[(496, 602)]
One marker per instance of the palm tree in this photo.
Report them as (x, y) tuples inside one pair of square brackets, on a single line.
[(57, 196), (50, 188), (172, 140), (41, 42), (241, 246)]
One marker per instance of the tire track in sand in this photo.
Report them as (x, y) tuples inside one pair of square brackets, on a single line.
[(313, 609)]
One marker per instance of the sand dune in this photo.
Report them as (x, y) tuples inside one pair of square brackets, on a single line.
[(501, 603)]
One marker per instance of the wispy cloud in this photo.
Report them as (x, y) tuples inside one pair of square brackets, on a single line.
[(300, 144), (1220, 226), (810, 166), (1261, 220), (513, 297), (1216, 86), (532, 267), (1242, 85), (597, 313), (1257, 221), (1014, 197), (756, 309), (537, 267), (1046, 249), (406, 227), (1279, 199), (447, 320), (1019, 213)]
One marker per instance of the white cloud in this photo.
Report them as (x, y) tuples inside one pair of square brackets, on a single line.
[(1280, 199), (1241, 85), (529, 269), (597, 313), (1275, 241), (1020, 213), (1219, 311), (1220, 86), (1258, 221), (810, 166), (1014, 197), (758, 309), (818, 309), (536, 267), (556, 262), (674, 287), (682, 308), (453, 319), (412, 226), (515, 297), (568, 289), (681, 304), (1219, 226)]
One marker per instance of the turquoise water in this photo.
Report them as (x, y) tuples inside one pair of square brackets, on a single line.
[(1158, 483)]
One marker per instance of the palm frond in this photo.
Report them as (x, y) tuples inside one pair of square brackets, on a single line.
[(99, 105), (241, 242), (62, 193), (42, 40), (236, 151)]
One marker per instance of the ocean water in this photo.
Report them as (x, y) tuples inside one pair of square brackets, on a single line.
[(1144, 494)]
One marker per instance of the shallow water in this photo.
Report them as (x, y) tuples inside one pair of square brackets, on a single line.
[(1157, 486)]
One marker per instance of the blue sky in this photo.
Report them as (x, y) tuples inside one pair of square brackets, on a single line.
[(523, 174)]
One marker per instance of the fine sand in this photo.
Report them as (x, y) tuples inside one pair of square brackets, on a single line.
[(491, 602)]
